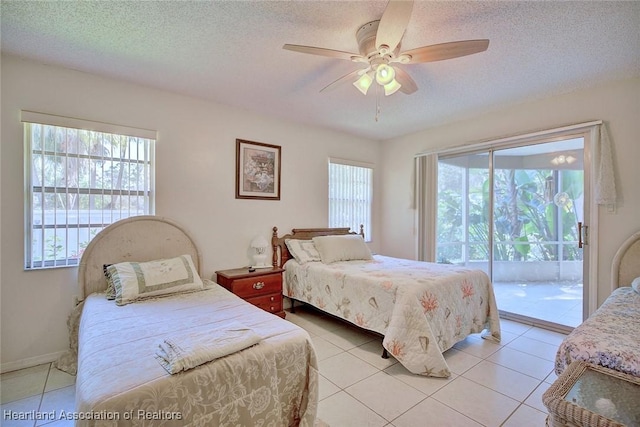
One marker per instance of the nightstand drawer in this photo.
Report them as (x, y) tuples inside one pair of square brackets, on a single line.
[(252, 286), (271, 303), (262, 287)]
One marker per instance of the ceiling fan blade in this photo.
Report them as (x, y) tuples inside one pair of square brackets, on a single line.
[(322, 51), (393, 23), (439, 52), (408, 85), (344, 79)]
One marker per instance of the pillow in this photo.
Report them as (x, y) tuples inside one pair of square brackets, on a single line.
[(342, 248), (636, 284), (133, 281), (111, 291), (302, 250)]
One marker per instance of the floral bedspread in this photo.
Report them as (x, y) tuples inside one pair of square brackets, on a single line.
[(610, 337), (421, 308), (120, 382)]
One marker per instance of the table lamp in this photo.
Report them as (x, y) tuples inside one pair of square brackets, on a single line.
[(259, 244)]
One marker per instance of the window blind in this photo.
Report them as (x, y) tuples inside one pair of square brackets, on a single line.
[(350, 195), (78, 182)]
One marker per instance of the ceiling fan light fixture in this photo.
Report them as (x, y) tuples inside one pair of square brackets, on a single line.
[(391, 87), (385, 74), (363, 83)]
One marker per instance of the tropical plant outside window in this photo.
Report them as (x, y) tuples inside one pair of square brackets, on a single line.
[(530, 208), (79, 182)]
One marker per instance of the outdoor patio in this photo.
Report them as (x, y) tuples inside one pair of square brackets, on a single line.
[(557, 302)]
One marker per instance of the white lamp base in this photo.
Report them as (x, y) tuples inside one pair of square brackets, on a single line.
[(259, 261)]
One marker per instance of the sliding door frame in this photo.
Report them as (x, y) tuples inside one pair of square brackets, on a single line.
[(427, 193)]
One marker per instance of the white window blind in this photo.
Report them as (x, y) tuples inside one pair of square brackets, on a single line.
[(350, 195), (81, 176)]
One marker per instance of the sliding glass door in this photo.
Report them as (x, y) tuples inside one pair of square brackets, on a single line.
[(516, 213), (463, 211)]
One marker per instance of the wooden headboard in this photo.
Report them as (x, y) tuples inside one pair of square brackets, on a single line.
[(139, 238), (626, 262), (281, 252)]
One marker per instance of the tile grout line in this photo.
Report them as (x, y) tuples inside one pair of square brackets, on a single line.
[(44, 387)]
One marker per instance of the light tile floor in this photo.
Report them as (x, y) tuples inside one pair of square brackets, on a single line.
[(42, 392), (491, 385)]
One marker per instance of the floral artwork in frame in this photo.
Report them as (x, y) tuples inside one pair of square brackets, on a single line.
[(257, 170)]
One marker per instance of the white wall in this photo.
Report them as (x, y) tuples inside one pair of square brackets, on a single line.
[(618, 104), (195, 182)]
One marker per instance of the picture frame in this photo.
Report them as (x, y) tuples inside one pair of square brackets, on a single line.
[(257, 170)]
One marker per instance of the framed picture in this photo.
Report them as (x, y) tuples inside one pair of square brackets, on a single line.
[(257, 170)]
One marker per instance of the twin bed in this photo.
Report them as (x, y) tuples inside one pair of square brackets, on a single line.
[(610, 337), (119, 378), (422, 309)]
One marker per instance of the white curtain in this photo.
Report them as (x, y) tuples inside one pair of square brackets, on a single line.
[(425, 193), (605, 186)]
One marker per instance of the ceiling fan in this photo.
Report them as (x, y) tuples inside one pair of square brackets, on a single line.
[(379, 46)]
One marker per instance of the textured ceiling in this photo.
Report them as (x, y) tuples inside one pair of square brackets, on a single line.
[(231, 52)]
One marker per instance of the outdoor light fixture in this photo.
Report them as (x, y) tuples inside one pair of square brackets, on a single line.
[(562, 159)]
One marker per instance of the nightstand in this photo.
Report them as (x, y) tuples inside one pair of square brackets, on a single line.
[(262, 288)]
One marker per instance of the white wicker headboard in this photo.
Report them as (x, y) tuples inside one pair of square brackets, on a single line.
[(139, 238), (626, 262)]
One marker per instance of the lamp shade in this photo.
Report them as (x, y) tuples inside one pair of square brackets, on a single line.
[(391, 87), (363, 83), (385, 74), (259, 242)]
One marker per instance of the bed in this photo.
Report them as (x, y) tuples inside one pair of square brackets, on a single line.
[(421, 309), (610, 337), (119, 378)]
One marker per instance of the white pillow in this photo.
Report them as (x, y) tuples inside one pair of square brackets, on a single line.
[(342, 248), (636, 284), (133, 281), (302, 250)]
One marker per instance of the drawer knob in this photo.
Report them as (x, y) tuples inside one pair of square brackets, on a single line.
[(273, 309), (258, 285), (273, 299)]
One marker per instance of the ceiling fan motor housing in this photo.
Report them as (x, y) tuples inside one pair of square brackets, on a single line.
[(366, 37)]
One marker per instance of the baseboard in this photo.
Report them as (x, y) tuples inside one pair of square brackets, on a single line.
[(31, 361)]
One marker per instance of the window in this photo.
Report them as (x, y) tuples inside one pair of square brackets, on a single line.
[(80, 176), (350, 194)]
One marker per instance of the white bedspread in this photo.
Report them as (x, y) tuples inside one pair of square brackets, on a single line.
[(422, 309), (121, 383), (188, 349)]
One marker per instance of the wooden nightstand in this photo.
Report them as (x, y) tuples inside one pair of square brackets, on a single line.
[(262, 288)]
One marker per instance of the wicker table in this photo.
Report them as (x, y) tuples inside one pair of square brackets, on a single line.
[(592, 396)]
